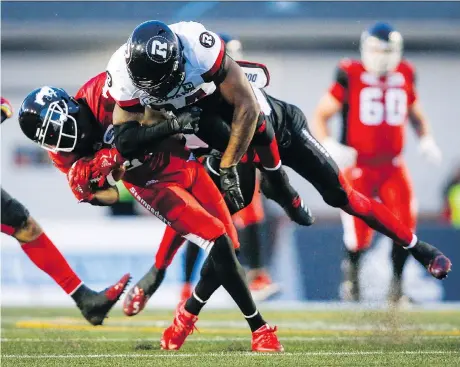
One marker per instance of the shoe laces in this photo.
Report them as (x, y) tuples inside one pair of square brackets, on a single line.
[(268, 334)]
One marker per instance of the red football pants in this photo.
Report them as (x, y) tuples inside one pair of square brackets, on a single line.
[(185, 198), (392, 185)]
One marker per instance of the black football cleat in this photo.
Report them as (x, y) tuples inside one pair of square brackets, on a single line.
[(96, 305), (275, 185), (431, 258)]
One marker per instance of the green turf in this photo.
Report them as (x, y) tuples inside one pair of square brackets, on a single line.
[(60, 337)]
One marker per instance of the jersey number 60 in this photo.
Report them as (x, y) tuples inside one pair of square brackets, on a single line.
[(374, 111)]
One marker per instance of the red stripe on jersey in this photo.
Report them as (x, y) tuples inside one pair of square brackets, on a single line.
[(217, 64), (128, 103), (338, 92), (8, 229)]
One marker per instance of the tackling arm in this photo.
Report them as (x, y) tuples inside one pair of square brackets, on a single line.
[(136, 132), (237, 91)]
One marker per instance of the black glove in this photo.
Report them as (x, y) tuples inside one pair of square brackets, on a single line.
[(186, 122), (230, 185)]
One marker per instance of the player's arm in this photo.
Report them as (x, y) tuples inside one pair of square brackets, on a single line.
[(327, 107), (427, 145), (330, 104), (237, 91), (140, 129), (105, 197)]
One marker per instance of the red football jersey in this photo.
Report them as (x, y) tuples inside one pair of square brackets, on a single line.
[(138, 171), (375, 109), (102, 107)]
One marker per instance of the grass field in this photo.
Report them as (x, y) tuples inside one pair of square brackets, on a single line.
[(60, 337)]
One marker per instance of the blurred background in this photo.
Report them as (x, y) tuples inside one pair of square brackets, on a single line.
[(63, 44)]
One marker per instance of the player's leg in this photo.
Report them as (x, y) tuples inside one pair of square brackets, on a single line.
[(17, 222), (215, 130), (226, 269), (248, 222), (138, 296), (309, 158), (208, 224), (357, 236), (397, 194), (191, 256)]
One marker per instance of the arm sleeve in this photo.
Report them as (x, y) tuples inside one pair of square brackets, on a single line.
[(133, 139), (339, 88)]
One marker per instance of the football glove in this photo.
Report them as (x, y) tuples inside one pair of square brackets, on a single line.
[(186, 122), (429, 150), (343, 155), (230, 185), (7, 110), (79, 177), (104, 162)]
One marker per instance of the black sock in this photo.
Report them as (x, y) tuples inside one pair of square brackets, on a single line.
[(191, 255), (80, 293), (233, 279), (250, 243), (209, 282), (399, 257), (151, 280)]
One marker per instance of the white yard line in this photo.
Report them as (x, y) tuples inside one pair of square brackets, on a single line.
[(224, 354), (215, 339)]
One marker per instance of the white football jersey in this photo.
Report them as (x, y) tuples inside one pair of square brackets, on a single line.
[(203, 51)]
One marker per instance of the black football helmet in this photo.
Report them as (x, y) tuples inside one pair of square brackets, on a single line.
[(154, 59), (55, 120)]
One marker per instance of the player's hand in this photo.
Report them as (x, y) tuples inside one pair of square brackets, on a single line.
[(79, 177), (343, 155), (430, 150), (104, 162), (230, 185), (186, 122), (7, 110)]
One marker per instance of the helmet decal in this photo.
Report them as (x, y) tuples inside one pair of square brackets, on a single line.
[(158, 50), (45, 93)]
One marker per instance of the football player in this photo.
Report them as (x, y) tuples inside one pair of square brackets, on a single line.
[(171, 67), (376, 96), (18, 223), (161, 174), (247, 221)]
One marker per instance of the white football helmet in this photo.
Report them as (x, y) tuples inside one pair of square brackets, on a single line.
[(381, 48)]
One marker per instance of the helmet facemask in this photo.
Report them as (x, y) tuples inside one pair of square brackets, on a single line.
[(380, 56), (58, 132)]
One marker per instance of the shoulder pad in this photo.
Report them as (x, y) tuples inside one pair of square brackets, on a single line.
[(257, 74)]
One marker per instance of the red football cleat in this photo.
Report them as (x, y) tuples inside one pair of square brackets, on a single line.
[(440, 266), (135, 301), (431, 258), (264, 339), (174, 336), (186, 292)]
